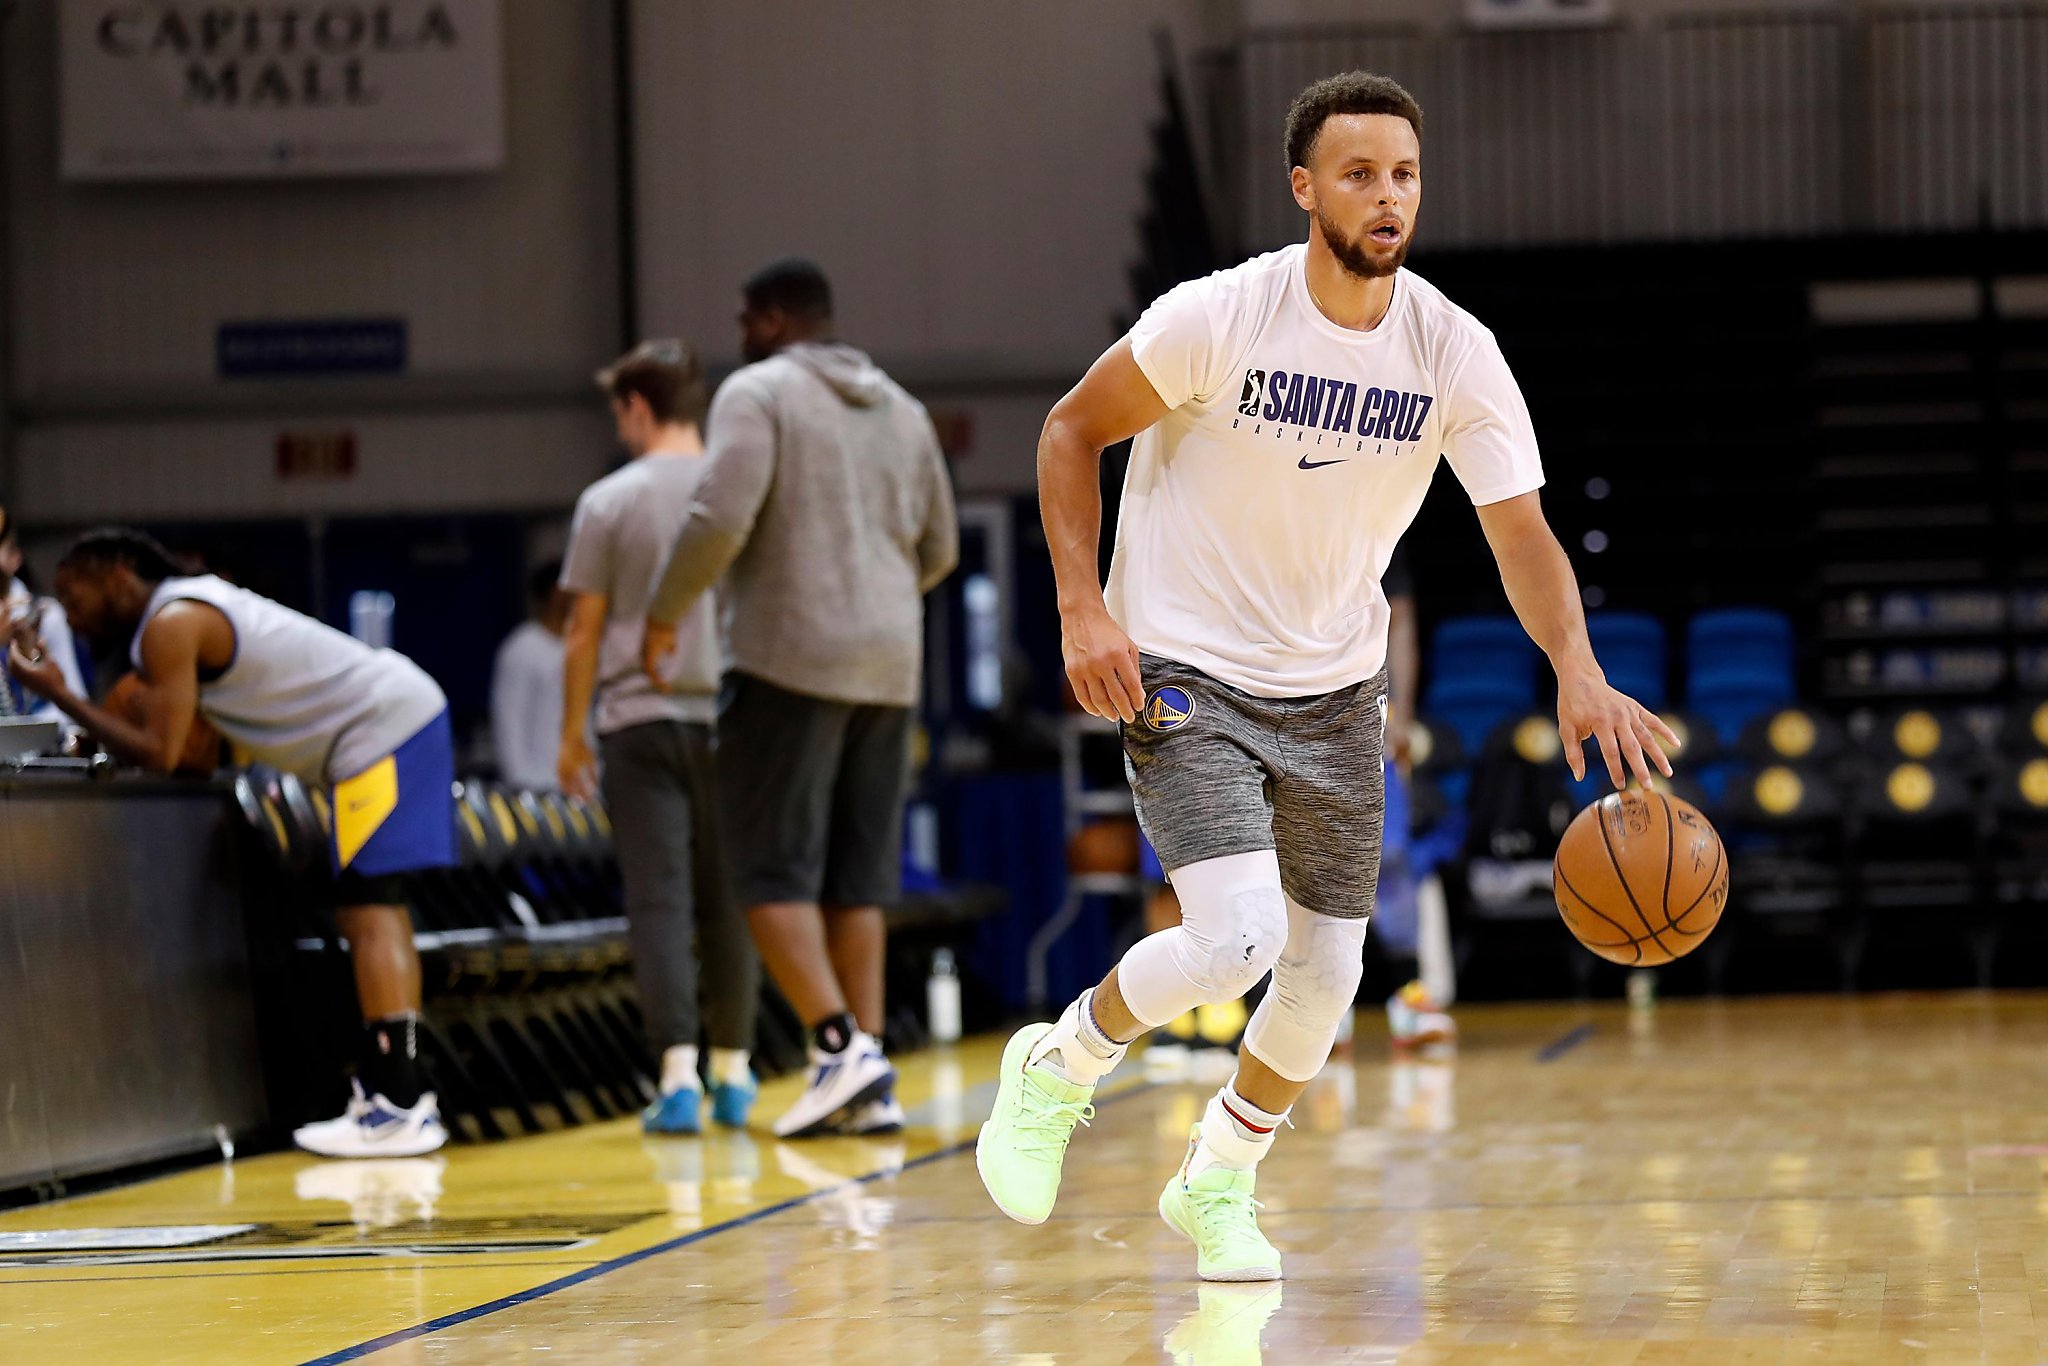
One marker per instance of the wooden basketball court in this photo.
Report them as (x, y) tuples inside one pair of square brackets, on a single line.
[(1812, 1180)]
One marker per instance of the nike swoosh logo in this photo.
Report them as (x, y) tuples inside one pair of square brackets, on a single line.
[(1309, 464)]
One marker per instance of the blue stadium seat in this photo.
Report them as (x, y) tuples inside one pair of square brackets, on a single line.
[(1630, 647), (1729, 699), (1472, 704), (1490, 647), (1738, 640)]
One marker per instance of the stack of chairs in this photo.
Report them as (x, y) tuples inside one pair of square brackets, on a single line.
[(1919, 832), (1784, 823), (1912, 836), (2016, 841), (531, 1020)]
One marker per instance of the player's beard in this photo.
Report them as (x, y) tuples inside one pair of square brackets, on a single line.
[(1351, 253)]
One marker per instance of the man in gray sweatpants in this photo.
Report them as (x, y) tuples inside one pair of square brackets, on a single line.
[(654, 736), (828, 508)]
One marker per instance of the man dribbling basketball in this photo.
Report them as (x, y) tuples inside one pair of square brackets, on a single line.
[(1289, 413)]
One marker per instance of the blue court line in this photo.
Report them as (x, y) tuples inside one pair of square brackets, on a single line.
[(589, 1273), (1565, 1043), (357, 1266)]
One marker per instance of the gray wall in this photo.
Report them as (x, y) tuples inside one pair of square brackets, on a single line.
[(508, 282), (1796, 121), (969, 174)]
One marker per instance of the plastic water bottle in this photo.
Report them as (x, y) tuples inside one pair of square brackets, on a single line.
[(1642, 989), (369, 617), (942, 999)]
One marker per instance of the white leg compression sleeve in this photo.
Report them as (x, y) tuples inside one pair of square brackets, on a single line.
[(1314, 984), (1233, 923)]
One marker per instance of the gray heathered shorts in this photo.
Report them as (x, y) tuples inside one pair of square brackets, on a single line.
[(1216, 772)]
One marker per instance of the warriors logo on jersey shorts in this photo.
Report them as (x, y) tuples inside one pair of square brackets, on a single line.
[(1216, 772)]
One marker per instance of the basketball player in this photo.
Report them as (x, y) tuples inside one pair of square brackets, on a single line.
[(1288, 415), (307, 700)]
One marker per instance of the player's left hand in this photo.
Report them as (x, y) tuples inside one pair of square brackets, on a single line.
[(656, 645), (1588, 709)]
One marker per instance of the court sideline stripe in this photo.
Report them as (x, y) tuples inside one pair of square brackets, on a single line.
[(1565, 1043), (590, 1273)]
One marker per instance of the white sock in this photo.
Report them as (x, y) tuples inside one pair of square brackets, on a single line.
[(1235, 1133), (679, 1069), (1076, 1048), (729, 1067)]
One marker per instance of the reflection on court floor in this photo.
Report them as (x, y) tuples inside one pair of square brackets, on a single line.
[(1851, 1180)]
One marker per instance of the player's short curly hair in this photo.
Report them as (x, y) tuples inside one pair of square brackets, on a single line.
[(1352, 92)]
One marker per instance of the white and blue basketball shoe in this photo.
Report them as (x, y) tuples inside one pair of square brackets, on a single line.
[(374, 1127), (838, 1082)]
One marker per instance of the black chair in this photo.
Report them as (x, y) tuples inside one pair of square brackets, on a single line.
[(1920, 735), (2016, 846), (2024, 729), (1919, 860), (1793, 735), (1519, 806), (1697, 743), (1437, 753), (1787, 836)]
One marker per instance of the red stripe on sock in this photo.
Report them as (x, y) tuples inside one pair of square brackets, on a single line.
[(1255, 1128)]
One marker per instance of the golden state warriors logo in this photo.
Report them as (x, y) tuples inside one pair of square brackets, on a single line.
[(1169, 708)]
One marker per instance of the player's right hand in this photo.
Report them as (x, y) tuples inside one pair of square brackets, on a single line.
[(576, 768), (1102, 665), (657, 643)]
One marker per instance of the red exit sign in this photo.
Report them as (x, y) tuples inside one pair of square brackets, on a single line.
[(316, 455)]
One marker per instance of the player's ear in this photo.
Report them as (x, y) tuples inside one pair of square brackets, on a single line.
[(1304, 189)]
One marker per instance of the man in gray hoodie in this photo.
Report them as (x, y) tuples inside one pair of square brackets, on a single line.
[(826, 504)]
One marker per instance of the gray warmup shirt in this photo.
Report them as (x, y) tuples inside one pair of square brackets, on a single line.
[(829, 499), (299, 695), (624, 526)]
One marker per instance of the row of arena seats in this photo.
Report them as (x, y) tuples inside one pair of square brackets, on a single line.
[(531, 1021), (1738, 664), (1921, 828)]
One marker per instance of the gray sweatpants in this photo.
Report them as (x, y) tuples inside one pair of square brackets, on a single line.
[(660, 789)]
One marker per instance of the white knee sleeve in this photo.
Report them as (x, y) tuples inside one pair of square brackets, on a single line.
[(1233, 925), (1314, 984)]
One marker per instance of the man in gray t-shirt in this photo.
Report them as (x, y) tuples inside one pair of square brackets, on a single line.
[(654, 738)]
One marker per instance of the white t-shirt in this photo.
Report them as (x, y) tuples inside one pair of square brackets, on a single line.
[(1260, 512), (526, 707)]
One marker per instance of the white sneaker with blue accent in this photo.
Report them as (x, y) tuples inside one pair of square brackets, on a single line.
[(883, 1115), (838, 1082), (373, 1127)]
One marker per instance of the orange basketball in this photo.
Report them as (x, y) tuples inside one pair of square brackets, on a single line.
[(1640, 878)]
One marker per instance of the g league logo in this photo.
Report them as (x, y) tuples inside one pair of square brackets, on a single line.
[(1254, 393)]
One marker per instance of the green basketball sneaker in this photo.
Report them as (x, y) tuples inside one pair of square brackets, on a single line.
[(1218, 1215), (1019, 1151)]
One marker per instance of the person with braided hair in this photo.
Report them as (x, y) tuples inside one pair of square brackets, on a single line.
[(369, 725)]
